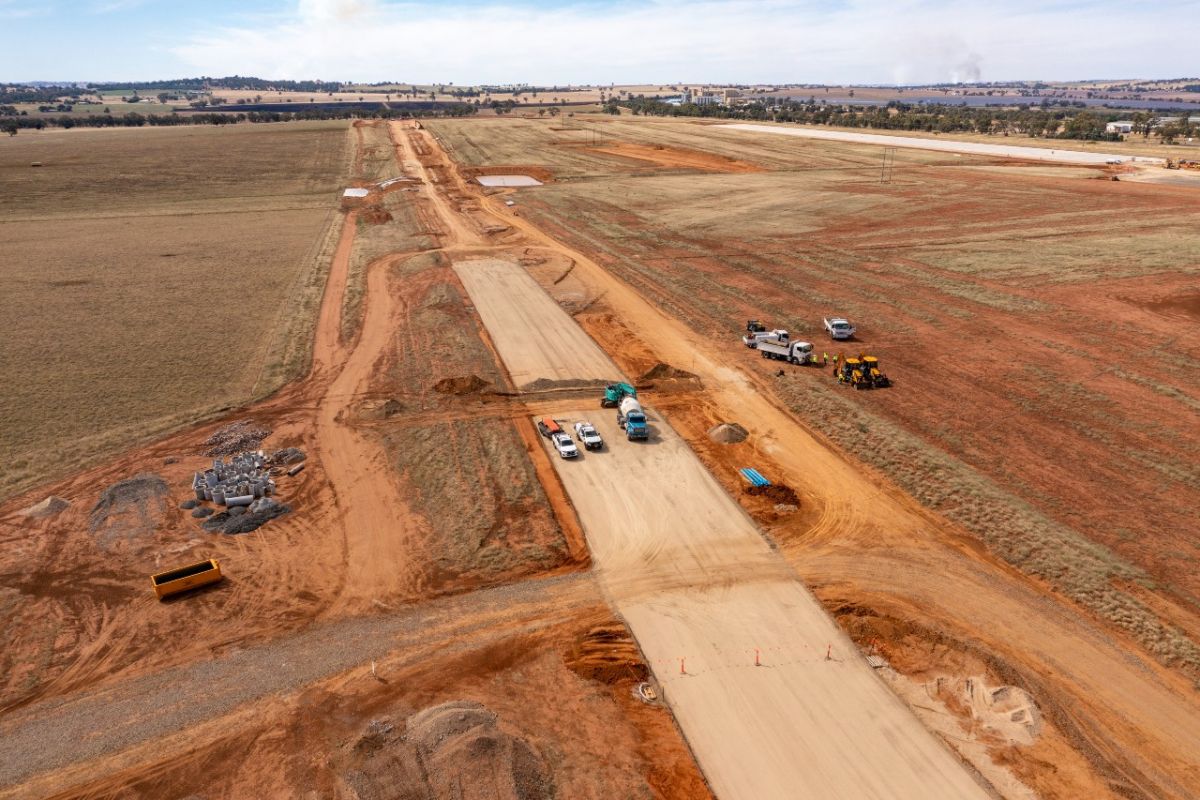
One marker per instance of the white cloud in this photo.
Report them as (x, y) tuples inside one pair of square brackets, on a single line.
[(863, 41)]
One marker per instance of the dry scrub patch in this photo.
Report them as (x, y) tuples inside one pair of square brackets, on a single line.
[(163, 275)]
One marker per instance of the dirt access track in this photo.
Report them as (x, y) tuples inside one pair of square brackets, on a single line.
[(701, 590)]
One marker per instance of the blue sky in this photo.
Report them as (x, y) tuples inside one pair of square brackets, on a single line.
[(474, 41)]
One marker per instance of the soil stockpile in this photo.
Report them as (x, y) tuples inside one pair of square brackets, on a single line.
[(441, 751), (237, 437), (665, 372), (779, 493), (728, 433), (608, 654), (47, 508), (129, 511), (469, 384)]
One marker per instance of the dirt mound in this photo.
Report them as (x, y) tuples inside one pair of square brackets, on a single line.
[(378, 409), (442, 750), (607, 653), (467, 384), (374, 215), (778, 493), (47, 508), (129, 510), (728, 433), (548, 384), (665, 372), (238, 520), (236, 437)]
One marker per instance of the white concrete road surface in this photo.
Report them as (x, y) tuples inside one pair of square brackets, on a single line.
[(514, 308), (701, 590), (1066, 156)]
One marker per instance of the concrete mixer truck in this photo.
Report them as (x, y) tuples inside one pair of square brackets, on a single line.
[(632, 419)]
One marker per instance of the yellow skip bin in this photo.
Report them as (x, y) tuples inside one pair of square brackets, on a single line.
[(185, 578)]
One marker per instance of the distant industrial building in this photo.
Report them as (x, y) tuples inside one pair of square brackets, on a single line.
[(1120, 126), (701, 98)]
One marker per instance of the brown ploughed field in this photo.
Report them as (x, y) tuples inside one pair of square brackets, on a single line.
[(153, 277)]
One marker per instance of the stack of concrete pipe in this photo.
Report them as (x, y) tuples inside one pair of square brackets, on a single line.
[(243, 480)]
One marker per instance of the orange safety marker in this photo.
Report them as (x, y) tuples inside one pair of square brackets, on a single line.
[(829, 652), (682, 671), (757, 662)]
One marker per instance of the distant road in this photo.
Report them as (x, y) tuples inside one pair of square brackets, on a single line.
[(951, 145)]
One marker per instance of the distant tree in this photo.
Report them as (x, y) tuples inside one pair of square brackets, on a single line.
[(10, 127)]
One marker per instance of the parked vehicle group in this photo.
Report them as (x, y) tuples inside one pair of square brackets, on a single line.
[(861, 372)]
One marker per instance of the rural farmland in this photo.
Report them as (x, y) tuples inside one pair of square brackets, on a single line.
[(192, 253), (789, 588)]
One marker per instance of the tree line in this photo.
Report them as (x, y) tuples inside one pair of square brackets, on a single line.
[(1045, 121), (13, 124)]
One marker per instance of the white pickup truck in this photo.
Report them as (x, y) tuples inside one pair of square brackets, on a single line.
[(563, 444), (586, 433), (839, 328)]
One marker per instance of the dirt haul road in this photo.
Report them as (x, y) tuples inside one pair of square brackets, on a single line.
[(949, 146), (701, 590)]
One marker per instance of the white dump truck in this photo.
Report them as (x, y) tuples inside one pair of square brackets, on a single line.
[(785, 350), (755, 338), (839, 328)]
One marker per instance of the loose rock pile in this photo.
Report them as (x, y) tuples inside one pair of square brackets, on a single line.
[(237, 437)]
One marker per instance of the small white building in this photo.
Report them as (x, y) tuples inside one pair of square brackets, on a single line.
[(1120, 126)]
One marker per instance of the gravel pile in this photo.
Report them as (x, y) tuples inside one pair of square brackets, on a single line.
[(259, 513), (129, 510), (237, 437)]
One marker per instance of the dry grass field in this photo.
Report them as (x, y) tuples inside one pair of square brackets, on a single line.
[(1039, 327), (154, 276)]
